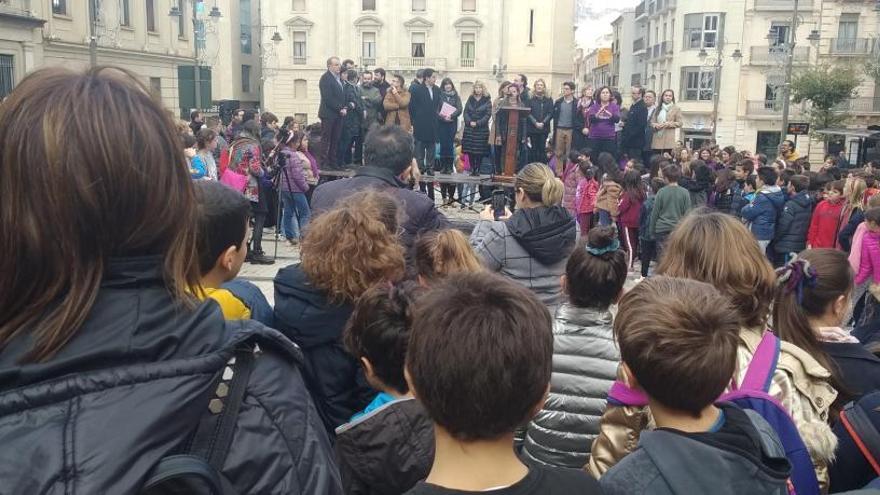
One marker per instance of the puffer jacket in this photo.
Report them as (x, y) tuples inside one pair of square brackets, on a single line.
[(761, 213), (131, 386), (585, 361), (793, 224), (531, 248), (608, 197), (799, 383)]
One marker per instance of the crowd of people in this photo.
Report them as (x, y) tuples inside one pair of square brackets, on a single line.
[(401, 355)]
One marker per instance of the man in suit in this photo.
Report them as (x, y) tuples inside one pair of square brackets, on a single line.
[(632, 137), (332, 113), (424, 110)]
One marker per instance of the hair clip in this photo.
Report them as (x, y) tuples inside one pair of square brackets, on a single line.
[(614, 246), (796, 274)]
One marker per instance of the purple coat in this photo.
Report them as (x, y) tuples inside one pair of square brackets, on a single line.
[(292, 177), (602, 126), (869, 264)]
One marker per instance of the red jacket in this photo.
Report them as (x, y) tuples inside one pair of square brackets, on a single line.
[(630, 209), (825, 224)]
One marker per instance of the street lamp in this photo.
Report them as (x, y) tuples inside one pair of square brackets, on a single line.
[(789, 63), (716, 63), (215, 16)]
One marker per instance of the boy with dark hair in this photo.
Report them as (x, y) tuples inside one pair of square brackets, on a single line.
[(222, 246), (647, 244), (670, 204), (794, 221), (761, 213), (743, 169), (678, 341), (480, 363), (784, 177)]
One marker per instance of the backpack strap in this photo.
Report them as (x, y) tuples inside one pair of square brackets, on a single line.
[(213, 436), (760, 371), (863, 433)]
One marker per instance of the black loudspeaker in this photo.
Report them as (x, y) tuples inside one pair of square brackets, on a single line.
[(226, 109)]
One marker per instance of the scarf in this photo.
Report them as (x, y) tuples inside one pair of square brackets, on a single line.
[(835, 335), (661, 113)]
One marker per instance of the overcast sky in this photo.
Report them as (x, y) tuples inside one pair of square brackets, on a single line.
[(595, 19)]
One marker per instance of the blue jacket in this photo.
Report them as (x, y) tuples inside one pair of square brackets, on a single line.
[(793, 224), (645, 220), (762, 212)]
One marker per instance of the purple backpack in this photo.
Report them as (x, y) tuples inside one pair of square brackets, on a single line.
[(752, 394)]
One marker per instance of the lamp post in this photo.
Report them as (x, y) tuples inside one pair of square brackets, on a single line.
[(717, 65), (93, 36), (789, 63), (215, 16)]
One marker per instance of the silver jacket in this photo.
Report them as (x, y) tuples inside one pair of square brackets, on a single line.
[(585, 360)]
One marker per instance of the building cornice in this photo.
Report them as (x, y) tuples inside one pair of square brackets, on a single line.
[(299, 22), (418, 23), (78, 48), (28, 20)]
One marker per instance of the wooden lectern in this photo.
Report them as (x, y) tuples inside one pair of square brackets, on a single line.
[(509, 159)]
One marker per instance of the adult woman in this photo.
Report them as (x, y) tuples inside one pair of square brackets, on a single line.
[(737, 267), (106, 363), (505, 128), (726, 156), (540, 116), (304, 152), (396, 104), (530, 246), (206, 143), (683, 158), (448, 129), (705, 154), (494, 135), (475, 137), (294, 186), (579, 136), (665, 120), (601, 118), (244, 158), (346, 251)]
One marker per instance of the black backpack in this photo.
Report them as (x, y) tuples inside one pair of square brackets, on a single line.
[(197, 468)]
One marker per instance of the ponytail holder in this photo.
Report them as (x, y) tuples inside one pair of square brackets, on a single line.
[(795, 275), (614, 246)]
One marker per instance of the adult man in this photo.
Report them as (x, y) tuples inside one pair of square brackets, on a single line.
[(540, 115), (650, 100), (234, 125), (347, 65), (632, 137), (522, 82), (566, 117), (351, 127), (332, 112), (195, 121), (424, 108), (372, 101), (787, 151), (268, 126), (388, 167), (383, 86)]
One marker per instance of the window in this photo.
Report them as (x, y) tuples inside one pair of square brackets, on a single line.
[(699, 84), (418, 45), (368, 50), (664, 33), (59, 7), (299, 47), (156, 86), (468, 5), (702, 30), (368, 5), (848, 26), (181, 21), (124, 13), (531, 26), (778, 33), (244, 15), (245, 78), (302, 118), (468, 48), (299, 5), (299, 89), (419, 5), (151, 16), (7, 75)]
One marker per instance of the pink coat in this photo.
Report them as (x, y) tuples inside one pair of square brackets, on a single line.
[(869, 265), (585, 199), (570, 176), (855, 251)]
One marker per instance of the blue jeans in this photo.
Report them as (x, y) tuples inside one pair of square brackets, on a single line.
[(295, 205)]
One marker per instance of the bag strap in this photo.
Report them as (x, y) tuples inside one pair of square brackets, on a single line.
[(863, 433), (760, 371), (213, 436)]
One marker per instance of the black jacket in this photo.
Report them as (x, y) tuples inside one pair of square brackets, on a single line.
[(354, 119), (577, 118), (420, 213), (633, 134), (793, 224), (547, 233), (387, 451), (542, 109), (303, 314), (859, 368), (332, 97), (846, 234), (424, 111), (132, 384), (476, 139)]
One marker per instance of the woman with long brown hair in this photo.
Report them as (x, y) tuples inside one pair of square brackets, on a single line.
[(345, 251), (107, 365), (441, 253), (396, 104)]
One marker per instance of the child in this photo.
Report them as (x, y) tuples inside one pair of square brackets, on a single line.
[(466, 190), (853, 212), (826, 218), (629, 212), (197, 168), (670, 204), (869, 261), (222, 245), (585, 198), (388, 447), (647, 245), (440, 253), (870, 183), (480, 364), (727, 196), (744, 169), (585, 356), (678, 342), (761, 213), (570, 177), (608, 196), (794, 221)]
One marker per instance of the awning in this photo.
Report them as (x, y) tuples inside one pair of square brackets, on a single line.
[(856, 132)]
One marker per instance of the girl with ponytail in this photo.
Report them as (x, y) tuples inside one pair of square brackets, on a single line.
[(441, 253), (531, 245)]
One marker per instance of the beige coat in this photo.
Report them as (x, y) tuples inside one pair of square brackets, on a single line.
[(397, 109), (664, 138), (493, 140), (800, 384)]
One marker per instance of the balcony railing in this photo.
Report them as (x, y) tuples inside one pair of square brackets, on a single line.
[(299, 60), (803, 5), (368, 62), (639, 45), (852, 46), (771, 108), (468, 63), (772, 55), (415, 63), (860, 105)]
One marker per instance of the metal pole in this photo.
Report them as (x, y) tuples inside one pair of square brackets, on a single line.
[(716, 89), (197, 69), (786, 88), (93, 39)]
